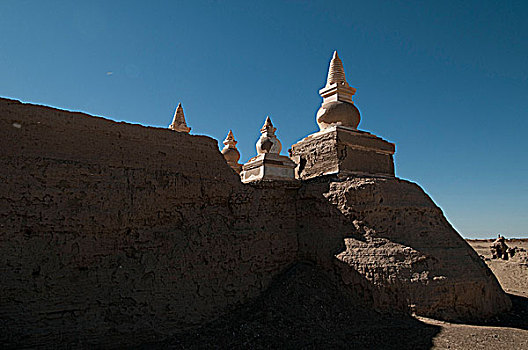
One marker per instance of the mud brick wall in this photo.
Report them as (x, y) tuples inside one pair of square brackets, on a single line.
[(112, 233)]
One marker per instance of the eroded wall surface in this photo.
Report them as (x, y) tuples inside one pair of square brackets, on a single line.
[(112, 233), (408, 253), (118, 234)]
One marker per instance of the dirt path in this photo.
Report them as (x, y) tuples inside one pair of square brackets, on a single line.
[(463, 336)]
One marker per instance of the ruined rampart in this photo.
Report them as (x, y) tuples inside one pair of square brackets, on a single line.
[(115, 231), (112, 233)]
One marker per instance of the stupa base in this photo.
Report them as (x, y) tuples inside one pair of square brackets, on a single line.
[(344, 151), (268, 166)]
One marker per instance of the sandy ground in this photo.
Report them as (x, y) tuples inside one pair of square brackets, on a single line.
[(513, 273), (506, 332)]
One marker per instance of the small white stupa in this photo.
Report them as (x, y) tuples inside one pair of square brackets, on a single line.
[(268, 164), (231, 153), (178, 122)]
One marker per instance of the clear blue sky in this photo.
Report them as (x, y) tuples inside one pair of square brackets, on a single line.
[(447, 81)]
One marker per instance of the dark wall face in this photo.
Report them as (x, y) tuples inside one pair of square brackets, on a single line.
[(114, 233)]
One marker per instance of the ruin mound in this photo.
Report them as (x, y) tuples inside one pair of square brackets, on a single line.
[(120, 234)]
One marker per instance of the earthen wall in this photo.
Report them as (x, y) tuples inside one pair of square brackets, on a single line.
[(116, 233)]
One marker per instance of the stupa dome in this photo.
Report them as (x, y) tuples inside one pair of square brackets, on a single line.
[(268, 142), (338, 113), (230, 151)]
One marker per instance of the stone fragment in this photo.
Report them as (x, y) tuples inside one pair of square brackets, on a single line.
[(499, 249), (178, 122), (268, 164)]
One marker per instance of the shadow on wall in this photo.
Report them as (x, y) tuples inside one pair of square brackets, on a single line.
[(303, 308)]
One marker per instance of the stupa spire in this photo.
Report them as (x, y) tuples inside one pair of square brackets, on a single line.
[(230, 141), (336, 72), (268, 142), (231, 153), (337, 108), (268, 127), (178, 122)]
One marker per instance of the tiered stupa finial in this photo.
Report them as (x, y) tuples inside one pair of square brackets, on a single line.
[(231, 153), (268, 127), (178, 122), (268, 164), (230, 142), (336, 72), (337, 107)]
